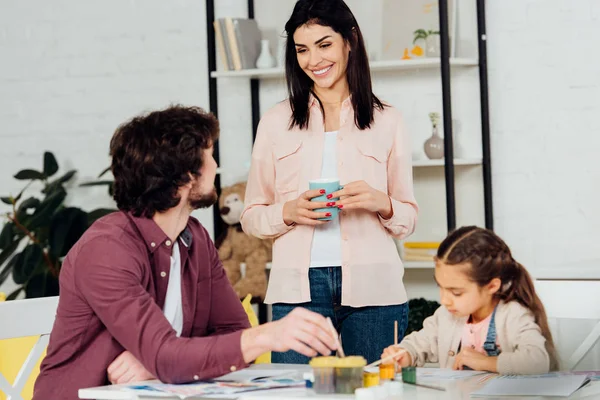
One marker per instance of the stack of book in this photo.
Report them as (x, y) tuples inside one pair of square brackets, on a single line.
[(419, 251), (238, 42)]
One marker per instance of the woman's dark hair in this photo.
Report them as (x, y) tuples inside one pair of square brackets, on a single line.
[(489, 257), (153, 155), (336, 15)]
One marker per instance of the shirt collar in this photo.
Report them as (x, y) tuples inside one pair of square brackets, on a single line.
[(153, 235), (313, 101)]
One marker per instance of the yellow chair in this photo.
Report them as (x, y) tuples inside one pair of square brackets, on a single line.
[(15, 351), (264, 358)]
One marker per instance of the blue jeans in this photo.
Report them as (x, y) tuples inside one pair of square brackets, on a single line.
[(365, 331)]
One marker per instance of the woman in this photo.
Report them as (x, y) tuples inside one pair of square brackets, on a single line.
[(333, 126)]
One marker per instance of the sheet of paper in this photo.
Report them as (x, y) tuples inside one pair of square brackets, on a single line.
[(538, 385), (251, 375), (444, 374), (217, 389)]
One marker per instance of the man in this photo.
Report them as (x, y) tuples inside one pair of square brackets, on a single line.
[(143, 293)]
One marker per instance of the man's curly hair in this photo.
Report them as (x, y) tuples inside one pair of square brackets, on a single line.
[(153, 155)]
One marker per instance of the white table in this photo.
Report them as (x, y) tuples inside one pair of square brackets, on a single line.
[(457, 390)]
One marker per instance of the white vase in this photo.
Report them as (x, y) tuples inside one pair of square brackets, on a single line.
[(265, 59), (432, 46)]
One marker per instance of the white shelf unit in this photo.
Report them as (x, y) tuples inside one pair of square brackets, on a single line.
[(440, 162), (388, 65)]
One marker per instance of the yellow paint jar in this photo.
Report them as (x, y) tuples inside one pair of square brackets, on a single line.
[(371, 377), (387, 372)]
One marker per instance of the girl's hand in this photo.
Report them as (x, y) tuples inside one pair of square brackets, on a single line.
[(475, 360), (402, 360), (360, 195), (301, 210)]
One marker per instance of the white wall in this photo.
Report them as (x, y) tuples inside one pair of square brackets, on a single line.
[(545, 100)]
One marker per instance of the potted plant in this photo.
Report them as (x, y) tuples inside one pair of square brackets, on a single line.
[(40, 230), (418, 310), (431, 39)]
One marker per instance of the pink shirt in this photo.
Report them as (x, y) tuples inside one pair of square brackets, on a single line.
[(284, 160), (474, 335)]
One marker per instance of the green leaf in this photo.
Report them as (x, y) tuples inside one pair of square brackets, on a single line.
[(56, 184), (14, 294), (7, 235), (66, 228), (97, 183), (7, 200), (97, 214), (43, 214), (24, 267), (41, 285), (50, 164), (5, 273), (27, 174), (8, 251), (104, 172), (28, 203)]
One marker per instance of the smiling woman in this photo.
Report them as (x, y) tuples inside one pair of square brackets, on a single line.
[(333, 129)]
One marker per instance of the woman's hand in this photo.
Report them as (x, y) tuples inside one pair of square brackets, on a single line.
[(360, 195), (301, 210)]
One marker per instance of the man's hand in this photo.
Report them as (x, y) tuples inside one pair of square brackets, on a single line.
[(303, 331), (126, 368), (476, 361)]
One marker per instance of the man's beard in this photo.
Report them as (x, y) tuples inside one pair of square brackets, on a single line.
[(197, 200)]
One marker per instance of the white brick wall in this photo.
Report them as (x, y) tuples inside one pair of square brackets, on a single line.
[(71, 71), (544, 103)]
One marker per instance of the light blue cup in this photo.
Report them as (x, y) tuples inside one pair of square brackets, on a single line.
[(330, 186)]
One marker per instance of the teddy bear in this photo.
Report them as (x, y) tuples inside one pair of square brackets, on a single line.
[(236, 247)]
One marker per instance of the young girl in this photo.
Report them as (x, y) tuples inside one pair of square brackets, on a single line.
[(491, 318), (333, 127)]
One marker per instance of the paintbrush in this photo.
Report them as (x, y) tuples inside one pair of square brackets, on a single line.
[(386, 359), (337, 339)]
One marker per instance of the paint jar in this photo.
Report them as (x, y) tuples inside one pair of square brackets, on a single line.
[(409, 375), (387, 372), (370, 377), (349, 374), (309, 378), (324, 374)]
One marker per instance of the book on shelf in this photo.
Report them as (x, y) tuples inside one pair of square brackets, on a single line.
[(421, 245), (238, 42), (419, 251)]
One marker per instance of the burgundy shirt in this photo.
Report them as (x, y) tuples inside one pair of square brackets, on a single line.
[(113, 285)]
